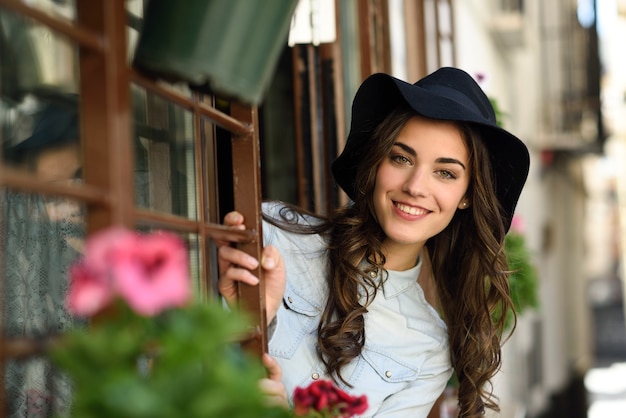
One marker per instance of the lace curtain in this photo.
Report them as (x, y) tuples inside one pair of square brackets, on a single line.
[(36, 256)]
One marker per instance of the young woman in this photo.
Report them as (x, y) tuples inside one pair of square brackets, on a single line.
[(390, 294)]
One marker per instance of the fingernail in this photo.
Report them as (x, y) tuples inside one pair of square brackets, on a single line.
[(268, 262), (253, 262)]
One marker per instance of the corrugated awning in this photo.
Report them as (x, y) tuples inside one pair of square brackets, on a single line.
[(227, 47)]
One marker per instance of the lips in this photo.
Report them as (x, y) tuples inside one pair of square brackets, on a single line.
[(411, 210)]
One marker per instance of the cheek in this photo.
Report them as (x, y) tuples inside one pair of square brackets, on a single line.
[(454, 198), (379, 192), (387, 178)]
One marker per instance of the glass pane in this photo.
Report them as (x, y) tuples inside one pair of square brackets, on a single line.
[(134, 10), (58, 8), (38, 98), (34, 58), (165, 156), (41, 237)]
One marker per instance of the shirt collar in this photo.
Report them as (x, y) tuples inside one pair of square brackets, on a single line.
[(399, 281)]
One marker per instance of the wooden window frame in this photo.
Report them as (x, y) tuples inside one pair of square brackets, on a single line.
[(100, 32)]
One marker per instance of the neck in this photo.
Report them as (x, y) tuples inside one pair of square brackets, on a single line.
[(400, 257)]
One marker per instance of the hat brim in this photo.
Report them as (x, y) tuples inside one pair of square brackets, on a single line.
[(381, 93)]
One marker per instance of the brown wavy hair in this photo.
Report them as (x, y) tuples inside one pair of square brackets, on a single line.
[(471, 289)]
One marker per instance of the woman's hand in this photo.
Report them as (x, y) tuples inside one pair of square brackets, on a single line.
[(235, 267), (272, 386)]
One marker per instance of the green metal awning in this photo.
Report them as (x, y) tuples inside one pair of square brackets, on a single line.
[(227, 47)]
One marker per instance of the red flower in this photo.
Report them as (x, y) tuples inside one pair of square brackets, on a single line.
[(324, 397)]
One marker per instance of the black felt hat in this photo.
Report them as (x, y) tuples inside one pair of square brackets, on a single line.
[(446, 94), (56, 124)]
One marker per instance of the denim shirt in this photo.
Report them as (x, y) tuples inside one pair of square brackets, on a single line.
[(405, 363)]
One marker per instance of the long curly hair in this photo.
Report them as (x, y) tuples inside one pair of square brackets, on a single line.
[(472, 289)]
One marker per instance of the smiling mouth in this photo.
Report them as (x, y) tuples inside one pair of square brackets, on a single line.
[(411, 210)]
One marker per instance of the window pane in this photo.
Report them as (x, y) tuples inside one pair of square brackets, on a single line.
[(38, 99), (34, 60), (41, 237), (58, 8), (165, 156)]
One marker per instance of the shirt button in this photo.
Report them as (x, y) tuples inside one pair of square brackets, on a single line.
[(373, 273), (315, 376), (388, 373), (289, 299)]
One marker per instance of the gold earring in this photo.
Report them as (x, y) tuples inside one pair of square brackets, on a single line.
[(463, 205)]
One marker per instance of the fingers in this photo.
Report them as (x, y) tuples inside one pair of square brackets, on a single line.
[(232, 220), (274, 372), (272, 386), (229, 256), (275, 276), (234, 267)]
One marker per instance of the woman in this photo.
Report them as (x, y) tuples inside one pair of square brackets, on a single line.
[(42, 236), (393, 292)]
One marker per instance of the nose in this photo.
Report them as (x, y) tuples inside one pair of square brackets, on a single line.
[(417, 183)]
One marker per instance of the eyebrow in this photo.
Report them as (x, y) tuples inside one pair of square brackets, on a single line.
[(442, 160)]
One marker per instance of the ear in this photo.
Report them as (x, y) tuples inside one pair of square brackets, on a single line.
[(464, 204)]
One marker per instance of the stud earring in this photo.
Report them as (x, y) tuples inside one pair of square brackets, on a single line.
[(463, 205)]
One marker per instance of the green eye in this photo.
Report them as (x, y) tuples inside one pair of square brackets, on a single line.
[(446, 174), (399, 158)]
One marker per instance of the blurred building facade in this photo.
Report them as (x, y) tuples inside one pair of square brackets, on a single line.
[(540, 61), (543, 66)]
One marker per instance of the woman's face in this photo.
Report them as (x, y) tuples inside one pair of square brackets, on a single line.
[(421, 182), (56, 165)]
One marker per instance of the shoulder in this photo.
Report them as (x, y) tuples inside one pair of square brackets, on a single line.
[(289, 214), (290, 229)]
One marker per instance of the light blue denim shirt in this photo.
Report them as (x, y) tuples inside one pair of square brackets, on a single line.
[(405, 363)]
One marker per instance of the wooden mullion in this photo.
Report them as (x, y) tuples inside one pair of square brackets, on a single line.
[(105, 113), (298, 99), (365, 38), (384, 41), (247, 201), (219, 118), (315, 117), (199, 163), (211, 197), (415, 40), (176, 223), (29, 183)]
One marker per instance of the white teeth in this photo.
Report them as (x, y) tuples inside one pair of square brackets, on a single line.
[(411, 210)]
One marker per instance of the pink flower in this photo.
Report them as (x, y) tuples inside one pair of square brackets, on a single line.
[(517, 224), (101, 248), (151, 273), (88, 292), (324, 397)]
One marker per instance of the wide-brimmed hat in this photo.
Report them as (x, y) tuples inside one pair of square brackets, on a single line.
[(55, 124), (446, 94)]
